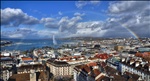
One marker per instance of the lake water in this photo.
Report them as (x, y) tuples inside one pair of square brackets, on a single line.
[(27, 44)]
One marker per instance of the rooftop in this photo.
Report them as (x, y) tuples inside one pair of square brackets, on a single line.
[(57, 63), (26, 58), (26, 77)]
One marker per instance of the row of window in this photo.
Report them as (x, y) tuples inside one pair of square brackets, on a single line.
[(128, 69)]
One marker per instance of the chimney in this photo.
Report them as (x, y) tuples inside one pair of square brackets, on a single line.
[(131, 62), (33, 77), (95, 67), (137, 64), (111, 78), (123, 59), (127, 59), (116, 73), (149, 68)]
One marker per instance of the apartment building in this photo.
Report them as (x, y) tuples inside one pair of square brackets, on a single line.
[(59, 68), (88, 72), (5, 73), (136, 66), (28, 68)]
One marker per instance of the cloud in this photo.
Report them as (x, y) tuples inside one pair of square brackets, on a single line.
[(79, 14), (115, 26), (69, 25), (49, 22), (64, 23), (124, 7), (16, 17), (20, 33), (95, 2), (60, 13), (16, 36), (46, 33), (89, 28), (130, 16), (81, 4), (124, 20)]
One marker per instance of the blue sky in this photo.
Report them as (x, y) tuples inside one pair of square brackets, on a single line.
[(43, 19), (41, 9)]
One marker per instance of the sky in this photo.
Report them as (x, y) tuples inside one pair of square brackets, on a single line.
[(43, 19)]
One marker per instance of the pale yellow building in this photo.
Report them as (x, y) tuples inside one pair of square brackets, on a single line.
[(118, 48), (59, 68)]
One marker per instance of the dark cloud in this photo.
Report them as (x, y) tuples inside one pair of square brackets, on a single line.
[(69, 25), (134, 16), (20, 33), (16, 17), (49, 22), (122, 7)]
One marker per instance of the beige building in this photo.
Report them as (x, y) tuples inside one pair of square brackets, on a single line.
[(118, 48), (59, 68), (64, 66), (30, 68), (30, 72)]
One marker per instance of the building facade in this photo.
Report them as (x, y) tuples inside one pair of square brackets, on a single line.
[(136, 66), (59, 68)]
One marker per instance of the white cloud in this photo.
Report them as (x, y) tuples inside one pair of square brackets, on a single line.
[(16, 17), (130, 15), (60, 13), (81, 4), (124, 17), (45, 20), (16, 36), (20, 33), (79, 14), (66, 24), (95, 2), (46, 33), (49, 22), (122, 7)]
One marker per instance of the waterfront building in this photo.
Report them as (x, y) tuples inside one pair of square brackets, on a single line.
[(4, 60)]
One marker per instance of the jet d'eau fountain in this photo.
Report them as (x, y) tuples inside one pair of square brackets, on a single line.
[(54, 40)]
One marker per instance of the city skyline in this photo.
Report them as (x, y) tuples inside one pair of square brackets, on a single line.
[(43, 19)]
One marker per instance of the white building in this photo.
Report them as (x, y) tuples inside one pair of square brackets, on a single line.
[(5, 74), (136, 66)]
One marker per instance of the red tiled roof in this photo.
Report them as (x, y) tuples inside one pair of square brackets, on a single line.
[(92, 64), (96, 72), (103, 64), (86, 68), (26, 58), (68, 58), (26, 77), (102, 56)]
